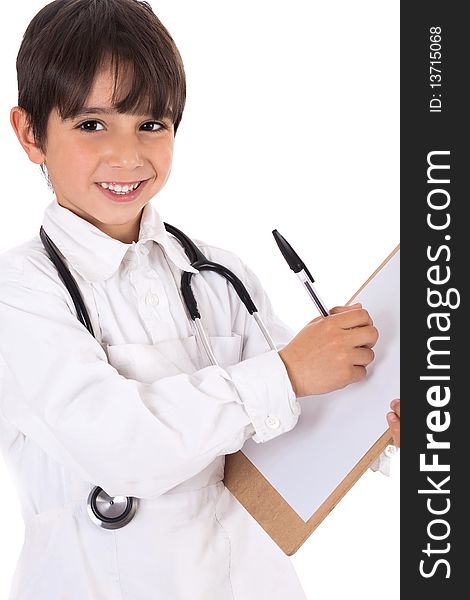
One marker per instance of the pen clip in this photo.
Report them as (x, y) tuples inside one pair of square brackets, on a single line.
[(292, 258)]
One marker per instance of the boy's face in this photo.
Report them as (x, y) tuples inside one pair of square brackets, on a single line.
[(97, 148)]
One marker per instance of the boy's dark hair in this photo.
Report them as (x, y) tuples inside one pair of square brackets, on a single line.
[(67, 43)]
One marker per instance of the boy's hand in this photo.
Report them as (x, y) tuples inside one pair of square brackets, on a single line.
[(330, 352), (393, 419)]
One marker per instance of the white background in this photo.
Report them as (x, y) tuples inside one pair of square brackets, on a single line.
[(291, 122)]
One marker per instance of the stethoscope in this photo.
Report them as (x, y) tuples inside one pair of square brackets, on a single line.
[(114, 512)]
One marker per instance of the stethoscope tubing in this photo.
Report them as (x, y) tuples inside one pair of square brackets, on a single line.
[(97, 497)]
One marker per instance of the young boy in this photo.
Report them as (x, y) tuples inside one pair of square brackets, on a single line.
[(137, 410)]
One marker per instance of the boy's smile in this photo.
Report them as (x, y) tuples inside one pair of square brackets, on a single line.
[(104, 166)]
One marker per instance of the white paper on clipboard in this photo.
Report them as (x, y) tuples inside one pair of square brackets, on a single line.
[(335, 430)]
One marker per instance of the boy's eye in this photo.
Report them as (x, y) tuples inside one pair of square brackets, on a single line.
[(150, 126), (161, 126), (89, 126)]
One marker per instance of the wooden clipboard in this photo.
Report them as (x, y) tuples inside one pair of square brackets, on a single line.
[(269, 508)]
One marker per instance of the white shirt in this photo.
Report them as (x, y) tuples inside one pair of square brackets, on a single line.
[(140, 413)]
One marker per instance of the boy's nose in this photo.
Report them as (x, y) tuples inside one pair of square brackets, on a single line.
[(124, 154)]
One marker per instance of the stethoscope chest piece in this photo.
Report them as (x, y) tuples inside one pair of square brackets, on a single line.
[(110, 512)]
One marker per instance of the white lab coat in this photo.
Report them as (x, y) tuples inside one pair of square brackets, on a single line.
[(139, 413)]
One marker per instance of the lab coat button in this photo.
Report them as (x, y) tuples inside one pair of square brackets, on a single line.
[(272, 422), (390, 451), (152, 299), (143, 250)]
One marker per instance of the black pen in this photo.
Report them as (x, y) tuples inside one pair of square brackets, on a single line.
[(297, 265)]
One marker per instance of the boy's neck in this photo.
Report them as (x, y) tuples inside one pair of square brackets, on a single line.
[(125, 233), (122, 232)]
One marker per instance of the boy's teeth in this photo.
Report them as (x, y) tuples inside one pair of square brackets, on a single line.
[(123, 189)]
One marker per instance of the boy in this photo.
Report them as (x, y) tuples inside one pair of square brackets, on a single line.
[(136, 411)]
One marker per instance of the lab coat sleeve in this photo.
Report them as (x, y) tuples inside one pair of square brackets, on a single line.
[(129, 437), (270, 400), (382, 462)]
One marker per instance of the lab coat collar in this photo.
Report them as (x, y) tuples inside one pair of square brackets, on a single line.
[(95, 255)]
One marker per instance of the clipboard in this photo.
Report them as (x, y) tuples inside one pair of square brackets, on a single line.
[(269, 508)]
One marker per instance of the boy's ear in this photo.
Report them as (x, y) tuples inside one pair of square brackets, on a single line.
[(19, 120)]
